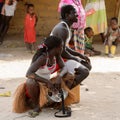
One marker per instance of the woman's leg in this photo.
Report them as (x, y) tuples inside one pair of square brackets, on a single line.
[(80, 70), (33, 91), (80, 74)]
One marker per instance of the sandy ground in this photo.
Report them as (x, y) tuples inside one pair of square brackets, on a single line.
[(100, 102)]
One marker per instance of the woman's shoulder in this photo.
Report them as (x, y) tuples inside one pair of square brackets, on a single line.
[(41, 59), (43, 56)]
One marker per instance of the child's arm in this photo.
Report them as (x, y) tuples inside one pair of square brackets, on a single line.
[(106, 35), (36, 19)]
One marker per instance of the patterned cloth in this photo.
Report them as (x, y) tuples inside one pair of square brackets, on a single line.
[(79, 40), (96, 19)]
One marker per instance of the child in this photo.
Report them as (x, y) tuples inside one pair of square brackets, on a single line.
[(89, 50), (29, 28), (112, 36)]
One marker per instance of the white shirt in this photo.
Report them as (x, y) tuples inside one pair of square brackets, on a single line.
[(10, 9)]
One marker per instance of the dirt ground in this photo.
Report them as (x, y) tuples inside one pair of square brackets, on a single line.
[(99, 96)]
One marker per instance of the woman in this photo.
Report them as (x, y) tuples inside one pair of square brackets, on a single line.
[(78, 27), (33, 93), (96, 16), (117, 11)]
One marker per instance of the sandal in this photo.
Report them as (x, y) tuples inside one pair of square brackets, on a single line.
[(33, 114)]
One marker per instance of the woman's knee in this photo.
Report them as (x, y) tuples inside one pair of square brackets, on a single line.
[(81, 73), (85, 72), (86, 64), (32, 87)]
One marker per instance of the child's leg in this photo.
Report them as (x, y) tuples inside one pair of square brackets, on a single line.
[(89, 52), (28, 46), (106, 49), (109, 46), (114, 46), (113, 49), (33, 47), (96, 52), (33, 90)]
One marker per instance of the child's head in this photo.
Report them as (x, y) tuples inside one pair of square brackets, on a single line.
[(114, 23), (30, 9), (89, 32)]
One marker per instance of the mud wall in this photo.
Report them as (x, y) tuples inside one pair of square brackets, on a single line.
[(47, 15)]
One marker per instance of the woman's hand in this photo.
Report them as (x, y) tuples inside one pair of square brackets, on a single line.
[(57, 84), (50, 85), (86, 59)]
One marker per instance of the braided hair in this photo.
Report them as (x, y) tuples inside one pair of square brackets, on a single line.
[(48, 44)]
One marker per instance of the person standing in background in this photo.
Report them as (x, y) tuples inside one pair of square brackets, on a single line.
[(117, 11), (77, 27), (7, 13), (29, 29), (96, 16)]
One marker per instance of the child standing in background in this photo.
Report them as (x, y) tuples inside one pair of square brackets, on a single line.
[(112, 36), (29, 29), (89, 49)]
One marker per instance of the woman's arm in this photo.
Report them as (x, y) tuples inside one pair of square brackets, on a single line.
[(63, 34), (62, 66), (73, 52), (63, 71), (34, 67)]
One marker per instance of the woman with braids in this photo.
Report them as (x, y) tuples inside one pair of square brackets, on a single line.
[(33, 93)]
